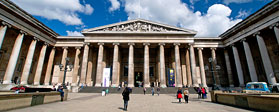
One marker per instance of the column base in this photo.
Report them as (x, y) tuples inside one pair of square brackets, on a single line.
[(189, 85), (23, 83), (204, 85), (6, 86), (114, 85), (195, 85), (46, 84), (36, 83), (75, 89), (97, 85), (7, 82), (74, 84), (179, 85), (131, 85), (163, 85), (146, 85)]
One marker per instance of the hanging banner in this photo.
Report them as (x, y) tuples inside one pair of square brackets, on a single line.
[(106, 77), (171, 78)]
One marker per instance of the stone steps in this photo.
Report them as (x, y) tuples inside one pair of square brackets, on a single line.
[(135, 90)]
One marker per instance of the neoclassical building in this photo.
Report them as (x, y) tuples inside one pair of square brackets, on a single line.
[(138, 53)]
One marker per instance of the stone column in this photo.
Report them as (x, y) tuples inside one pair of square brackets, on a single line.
[(131, 65), (3, 30), (188, 68), (238, 66), (89, 81), (84, 63), (250, 61), (40, 65), (13, 58), (203, 78), (266, 61), (214, 64), (146, 65), (193, 66), (76, 67), (28, 61), (115, 77), (276, 31), (178, 65), (100, 65), (162, 66), (229, 69), (49, 66), (63, 62)]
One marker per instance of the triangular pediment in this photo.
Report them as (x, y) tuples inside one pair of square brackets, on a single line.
[(138, 26)]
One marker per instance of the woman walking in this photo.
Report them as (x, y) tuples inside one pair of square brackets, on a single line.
[(186, 95), (126, 97), (179, 94)]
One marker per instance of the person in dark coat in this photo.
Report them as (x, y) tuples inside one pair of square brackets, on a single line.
[(126, 97)]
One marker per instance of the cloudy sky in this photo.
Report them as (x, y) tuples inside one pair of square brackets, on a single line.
[(209, 17)]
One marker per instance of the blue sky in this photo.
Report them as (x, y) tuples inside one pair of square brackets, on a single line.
[(209, 17)]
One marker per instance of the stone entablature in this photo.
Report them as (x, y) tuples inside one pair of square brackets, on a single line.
[(20, 19)]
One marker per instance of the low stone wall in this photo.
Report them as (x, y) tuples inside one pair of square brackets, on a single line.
[(263, 102), (13, 101)]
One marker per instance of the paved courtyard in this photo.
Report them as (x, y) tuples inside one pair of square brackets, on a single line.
[(89, 102)]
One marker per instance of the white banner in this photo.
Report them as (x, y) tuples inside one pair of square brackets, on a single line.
[(106, 77)]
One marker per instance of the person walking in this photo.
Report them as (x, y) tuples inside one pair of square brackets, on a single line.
[(144, 90), (204, 93), (152, 91), (158, 91), (126, 97), (199, 93), (179, 94), (186, 95)]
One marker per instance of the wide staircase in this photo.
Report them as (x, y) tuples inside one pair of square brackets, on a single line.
[(135, 90)]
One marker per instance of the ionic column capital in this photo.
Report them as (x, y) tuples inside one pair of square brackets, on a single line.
[(200, 48), (6, 24), (256, 34), (78, 47), (23, 32), (45, 43), (161, 44), (65, 47), (116, 43), (213, 48), (176, 44), (243, 40), (36, 39), (191, 44), (131, 43), (86, 43), (273, 25), (146, 44), (101, 43)]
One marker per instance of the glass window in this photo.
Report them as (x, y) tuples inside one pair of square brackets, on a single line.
[(125, 70)]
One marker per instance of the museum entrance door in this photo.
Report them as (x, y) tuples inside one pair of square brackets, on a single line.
[(138, 79)]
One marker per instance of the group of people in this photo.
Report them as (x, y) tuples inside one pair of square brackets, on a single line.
[(152, 91), (201, 92), (185, 93)]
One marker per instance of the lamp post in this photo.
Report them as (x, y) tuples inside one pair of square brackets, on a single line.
[(211, 69), (65, 70)]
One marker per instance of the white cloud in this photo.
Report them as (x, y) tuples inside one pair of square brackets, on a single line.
[(115, 4), (227, 2), (73, 33), (65, 11), (175, 12), (242, 13)]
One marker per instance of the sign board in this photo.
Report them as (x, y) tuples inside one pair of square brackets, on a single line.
[(106, 77), (171, 78)]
